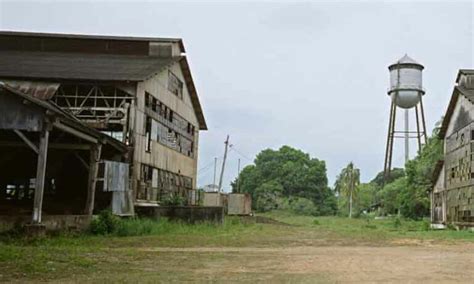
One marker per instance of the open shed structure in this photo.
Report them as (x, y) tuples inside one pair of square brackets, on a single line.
[(49, 160)]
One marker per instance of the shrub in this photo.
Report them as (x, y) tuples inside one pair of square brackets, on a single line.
[(302, 206), (397, 223), (174, 200), (316, 222), (106, 223)]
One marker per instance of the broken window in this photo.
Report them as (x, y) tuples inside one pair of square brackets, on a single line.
[(148, 134), (175, 85)]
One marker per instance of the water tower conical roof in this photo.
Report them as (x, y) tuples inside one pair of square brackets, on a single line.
[(405, 60)]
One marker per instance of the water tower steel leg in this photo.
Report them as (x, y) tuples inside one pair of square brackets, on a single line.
[(407, 136), (418, 133), (389, 147), (423, 119)]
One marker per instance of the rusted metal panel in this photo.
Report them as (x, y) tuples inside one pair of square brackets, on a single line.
[(122, 203), (115, 176), (39, 90), (239, 204)]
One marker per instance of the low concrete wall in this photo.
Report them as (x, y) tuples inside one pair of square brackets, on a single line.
[(189, 214), (50, 222)]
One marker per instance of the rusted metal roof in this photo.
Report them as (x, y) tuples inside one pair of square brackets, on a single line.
[(74, 66), (468, 94), (40, 90), (94, 37)]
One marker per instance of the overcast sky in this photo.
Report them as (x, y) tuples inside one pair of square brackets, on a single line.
[(310, 75)]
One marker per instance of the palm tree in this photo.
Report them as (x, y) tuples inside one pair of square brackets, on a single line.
[(347, 183)]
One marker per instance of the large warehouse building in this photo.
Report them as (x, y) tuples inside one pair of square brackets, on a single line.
[(116, 119)]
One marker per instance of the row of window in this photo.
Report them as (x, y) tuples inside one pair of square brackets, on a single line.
[(156, 131), (158, 184), (168, 115)]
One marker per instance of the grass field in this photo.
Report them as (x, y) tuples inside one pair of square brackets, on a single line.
[(308, 249)]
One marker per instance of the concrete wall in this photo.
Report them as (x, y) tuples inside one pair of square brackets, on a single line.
[(239, 204), (51, 222), (190, 214)]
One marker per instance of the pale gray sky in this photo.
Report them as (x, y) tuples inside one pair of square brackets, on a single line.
[(309, 75)]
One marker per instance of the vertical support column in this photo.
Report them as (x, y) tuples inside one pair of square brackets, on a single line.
[(423, 119), (95, 154), (407, 136), (389, 147), (418, 133), (40, 175)]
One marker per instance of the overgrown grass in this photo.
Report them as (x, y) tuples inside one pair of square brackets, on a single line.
[(68, 254), (371, 229)]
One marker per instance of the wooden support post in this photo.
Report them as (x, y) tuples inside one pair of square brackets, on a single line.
[(40, 176), (91, 184)]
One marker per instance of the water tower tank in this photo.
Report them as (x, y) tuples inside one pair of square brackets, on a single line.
[(406, 82)]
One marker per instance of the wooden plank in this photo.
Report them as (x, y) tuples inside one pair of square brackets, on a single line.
[(58, 146), (40, 176), (75, 132), (95, 154)]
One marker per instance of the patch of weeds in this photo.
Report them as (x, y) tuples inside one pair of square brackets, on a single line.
[(397, 223), (106, 223), (369, 225), (316, 222)]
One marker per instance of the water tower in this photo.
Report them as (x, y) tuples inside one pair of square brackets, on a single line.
[(406, 92)]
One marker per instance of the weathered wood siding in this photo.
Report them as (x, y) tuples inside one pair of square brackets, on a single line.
[(161, 156)]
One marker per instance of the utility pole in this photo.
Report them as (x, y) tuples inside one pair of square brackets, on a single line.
[(238, 176), (223, 163), (215, 169)]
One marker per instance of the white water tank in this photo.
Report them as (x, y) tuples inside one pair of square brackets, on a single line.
[(406, 86)]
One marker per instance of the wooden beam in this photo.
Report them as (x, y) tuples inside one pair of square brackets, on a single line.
[(95, 154), (75, 132), (84, 163), (58, 146), (26, 140), (40, 176)]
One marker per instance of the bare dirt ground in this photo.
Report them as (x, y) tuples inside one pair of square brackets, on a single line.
[(440, 263), (400, 264)]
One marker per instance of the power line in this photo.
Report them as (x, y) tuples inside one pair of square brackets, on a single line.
[(240, 153)]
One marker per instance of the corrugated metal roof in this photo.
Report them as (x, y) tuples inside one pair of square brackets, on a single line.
[(464, 72), (74, 66)]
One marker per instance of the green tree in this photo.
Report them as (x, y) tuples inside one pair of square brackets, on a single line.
[(395, 173), (389, 195), (347, 183), (414, 200), (296, 173)]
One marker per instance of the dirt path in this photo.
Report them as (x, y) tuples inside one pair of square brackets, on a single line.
[(399, 264)]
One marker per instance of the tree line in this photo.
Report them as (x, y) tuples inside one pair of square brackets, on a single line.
[(290, 179)]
